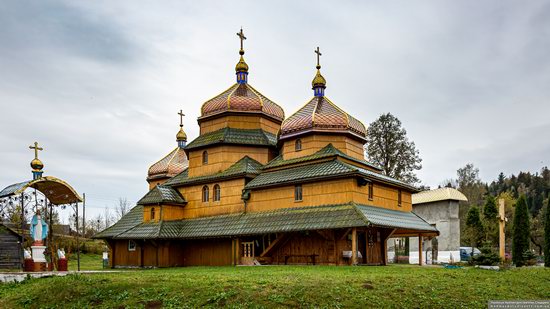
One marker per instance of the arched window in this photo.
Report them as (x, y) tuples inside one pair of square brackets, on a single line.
[(152, 213), (298, 145), (217, 193), (205, 194), (205, 157), (298, 193)]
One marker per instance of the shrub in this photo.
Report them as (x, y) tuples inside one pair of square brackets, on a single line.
[(488, 256)]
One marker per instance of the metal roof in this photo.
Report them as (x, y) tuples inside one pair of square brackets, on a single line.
[(441, 194), (57, 191), (384, 217), (128, 221)]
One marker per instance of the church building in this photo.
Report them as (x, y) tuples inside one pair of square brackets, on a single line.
[(258, 188)]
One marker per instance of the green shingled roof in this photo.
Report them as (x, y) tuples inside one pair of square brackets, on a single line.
[(234, 136), (275, 221), (312, 172), (244, 167), (162, 194), (325, 152), (128, 221)]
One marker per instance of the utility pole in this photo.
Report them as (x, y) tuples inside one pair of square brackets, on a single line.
[(84, 214), (77, 240)]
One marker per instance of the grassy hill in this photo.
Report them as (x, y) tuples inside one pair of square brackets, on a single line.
[(286, 286)]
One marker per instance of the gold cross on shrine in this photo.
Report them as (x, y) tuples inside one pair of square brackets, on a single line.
[(36, 149), (242, 37), (181, 117), (318, 55)]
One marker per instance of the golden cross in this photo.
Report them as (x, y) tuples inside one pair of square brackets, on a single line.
[(242, 37), (181, 117), (36, 148), (318, 55)]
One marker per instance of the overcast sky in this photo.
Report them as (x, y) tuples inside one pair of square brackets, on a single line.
[(98, 83)]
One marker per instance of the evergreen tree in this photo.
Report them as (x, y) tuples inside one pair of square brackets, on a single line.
[(475, 231), (490, 214), (520, 232), (547, 235)]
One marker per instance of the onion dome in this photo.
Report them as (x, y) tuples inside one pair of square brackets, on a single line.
[(173, 163), (169, 166), (37, 165), (321, 115), (241, 97)]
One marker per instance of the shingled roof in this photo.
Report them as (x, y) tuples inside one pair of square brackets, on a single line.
[(228, 135), (132, 218), (242, 168), (162, 194), (242, 98), (325, 152), (316, 171), (274, 221)]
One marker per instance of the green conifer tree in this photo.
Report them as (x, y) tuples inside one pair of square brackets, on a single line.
[(475, 231), (490, 215), (547, 235), (520, 232)]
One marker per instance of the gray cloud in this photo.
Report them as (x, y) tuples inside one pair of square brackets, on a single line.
[(99, 83)]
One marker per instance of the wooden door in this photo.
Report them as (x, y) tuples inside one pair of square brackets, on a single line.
[(374, 249), (248, 253)]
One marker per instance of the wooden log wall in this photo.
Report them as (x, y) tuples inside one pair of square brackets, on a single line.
[(315, 142), (221, 157), (10, 249), (240, 122)]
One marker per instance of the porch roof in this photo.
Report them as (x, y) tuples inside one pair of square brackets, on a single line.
[(275, 221)]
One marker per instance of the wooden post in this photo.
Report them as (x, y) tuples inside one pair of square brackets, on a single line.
[(237, 251), (354, 246), (233, 252), (502, 218), (420, 259)]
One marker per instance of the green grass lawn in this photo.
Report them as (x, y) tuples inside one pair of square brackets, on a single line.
[(87, 262), (282, 286)]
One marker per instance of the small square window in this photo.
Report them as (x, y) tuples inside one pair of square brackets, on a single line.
[(131, 245), (298, 193)]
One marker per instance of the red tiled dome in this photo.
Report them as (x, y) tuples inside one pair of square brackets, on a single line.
[(242, 98), (169, 166), (321, 115)]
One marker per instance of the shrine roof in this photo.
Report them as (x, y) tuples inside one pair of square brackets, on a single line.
[(162, 194), (242, 168), (234, 136)]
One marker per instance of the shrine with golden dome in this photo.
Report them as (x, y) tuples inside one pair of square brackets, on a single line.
[(258, 188)]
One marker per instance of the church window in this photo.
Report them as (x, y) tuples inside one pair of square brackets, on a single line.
[(205, 157), (152, 213), (399, 197), (217, 193), (371, 191), (298, 145), (205, 194), (298, 193), (131, 245)]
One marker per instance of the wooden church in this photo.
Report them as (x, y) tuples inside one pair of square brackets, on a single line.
[(258, 188)]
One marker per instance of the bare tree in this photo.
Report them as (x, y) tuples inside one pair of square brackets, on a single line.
[(122, 207), (108, 217)]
